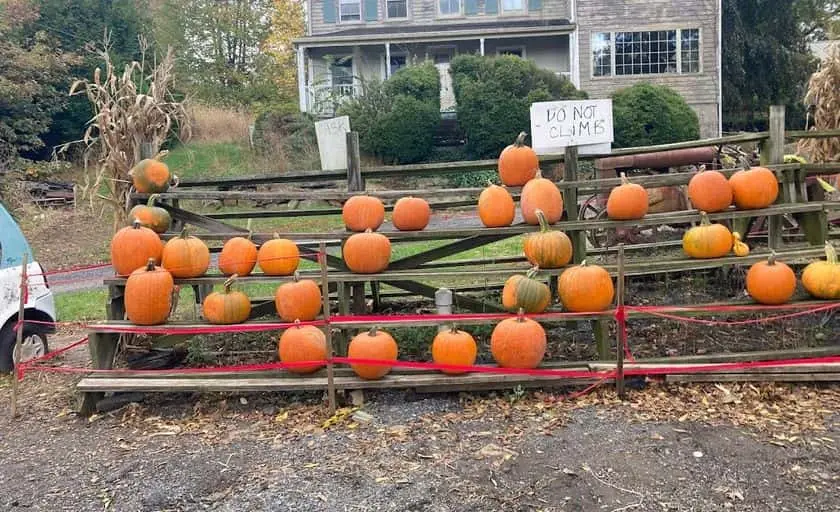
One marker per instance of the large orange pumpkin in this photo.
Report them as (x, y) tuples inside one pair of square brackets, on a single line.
[(454, 347), (754, 188), (278, 257), (585, 288), (411, 214), (148, 295), (186, 256), (238, 256), (627, 201), (374, 344), (541, 194), (518, 163), (153, 217), (363, 212), (526, 293), (150, 176), (518, 343), (133, 246), (707, 240), (822, 278), (367, 253), (496, 208), (771, 282), (546, 248), (710, 191), (298, 300), (227, 306), (302, 343)]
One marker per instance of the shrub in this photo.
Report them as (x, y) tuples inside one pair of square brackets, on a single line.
[(494, 96), (421, 82), (283, 136), (645, 114), (406, 133)]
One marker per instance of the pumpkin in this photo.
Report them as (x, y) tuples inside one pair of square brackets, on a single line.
[(153, 217), (541, 194), (298, 300), (367, 253), (227, 306), (186, 256), (771, 282), (585, 288), (546, 248), (738, 247), (133, 246), (525, 292), (822, 278), (150, 176), (278, 257), (707, 240), (454, 347), (518, 343), (411, 214), (148, 294), (302, 343), (627, 201), (518, 163), (363, 212), (496, 208), (238, 256), (709, 191), (374, 344), (754, 188)]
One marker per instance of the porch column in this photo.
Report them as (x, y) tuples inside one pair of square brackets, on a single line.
[(301, 78), (387, 60), (481, 45)]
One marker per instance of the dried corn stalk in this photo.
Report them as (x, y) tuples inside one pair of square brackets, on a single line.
[(824, 97)]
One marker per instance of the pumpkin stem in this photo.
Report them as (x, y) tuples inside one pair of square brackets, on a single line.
[(368, 230), (296, 276), (771, 260), (702, 168), (150, 265), (490, 183), (452, 328), (830, 253), (248, 227), (184, 233), (520, 139), (297, 323), (152, 199), (276, 234), (704, 219), (624, 179), (543, 222), (583, 263), (373, 331), (229, 282), (520, 315), (136, 224), (532, 272), (538, 175)]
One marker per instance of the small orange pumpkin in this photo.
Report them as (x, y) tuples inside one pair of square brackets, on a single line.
[(754, 188), (150, 176), (496, 208), (411, 214), (298, 300), (227, 306), (771, 282), (518, 343), (454, 347), (541, 194), (367, 253), (302, 343), (627, 201), (738, 247), (707, 240), (148, 295), (546, 248), (238, 256), (278, 257), (133, 246), (374, 344), (822, 278), (363, 212), (526, 293), (153, 217), (585, 288), (186, 256), (710, 191), (518, 163)]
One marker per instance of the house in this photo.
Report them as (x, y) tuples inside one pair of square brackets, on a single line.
[(600, 45)]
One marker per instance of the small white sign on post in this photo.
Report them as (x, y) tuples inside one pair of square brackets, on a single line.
[(587, 124), (332, 142)]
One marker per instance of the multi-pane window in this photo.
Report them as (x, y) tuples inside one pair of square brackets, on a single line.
[(646, 53), (513, 5), (397, 62), (397, 8), (341, 70), (350, 10), (449, 7)]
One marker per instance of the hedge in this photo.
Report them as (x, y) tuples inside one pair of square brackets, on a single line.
[(646, 115)]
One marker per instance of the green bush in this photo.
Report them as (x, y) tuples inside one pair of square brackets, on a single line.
[(494, 96), (645, 115), (406, 133), (421, 82)]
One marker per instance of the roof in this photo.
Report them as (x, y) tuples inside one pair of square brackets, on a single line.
[(387, 33)]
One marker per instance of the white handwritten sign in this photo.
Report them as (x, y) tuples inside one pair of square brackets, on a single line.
[(558, 124), (332, 142)]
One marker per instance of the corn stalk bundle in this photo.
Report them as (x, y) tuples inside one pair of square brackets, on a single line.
[(824, 97)]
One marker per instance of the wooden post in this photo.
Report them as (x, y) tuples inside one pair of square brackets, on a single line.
[(325, 293), (619, 331), (772, 153), (24, 288), (570, 201), (355, 182)]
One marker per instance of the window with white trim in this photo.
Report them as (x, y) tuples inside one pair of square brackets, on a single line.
[(646, 53), (396, 8), (513, 5), (449, 7), (397, 63), (341, 72), (350, 10)]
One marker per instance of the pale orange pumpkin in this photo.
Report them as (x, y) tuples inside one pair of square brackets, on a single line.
[(186, 256), (771, 282), (151, 176), (133, 246), (227, 306), (367, 253), (496, 208), (541, 194), (238, 256), (518, 163), (547, 248), (707, 240), (454, 347), (301, 344), (360, 213), (373, 344), (585, 288), (148, 295), (278, 256), (298, 300), (710, 191), (754, 188), (411, 214), (518, 343), (627, 201), (822, 278)]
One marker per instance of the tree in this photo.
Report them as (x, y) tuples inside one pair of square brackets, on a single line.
[(287, 24)]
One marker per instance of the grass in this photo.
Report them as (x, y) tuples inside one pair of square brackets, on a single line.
[(198, 160)]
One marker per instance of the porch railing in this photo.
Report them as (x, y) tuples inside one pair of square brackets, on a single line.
[(325, 99)]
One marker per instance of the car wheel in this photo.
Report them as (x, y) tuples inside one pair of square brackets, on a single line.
[(34, 345)]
